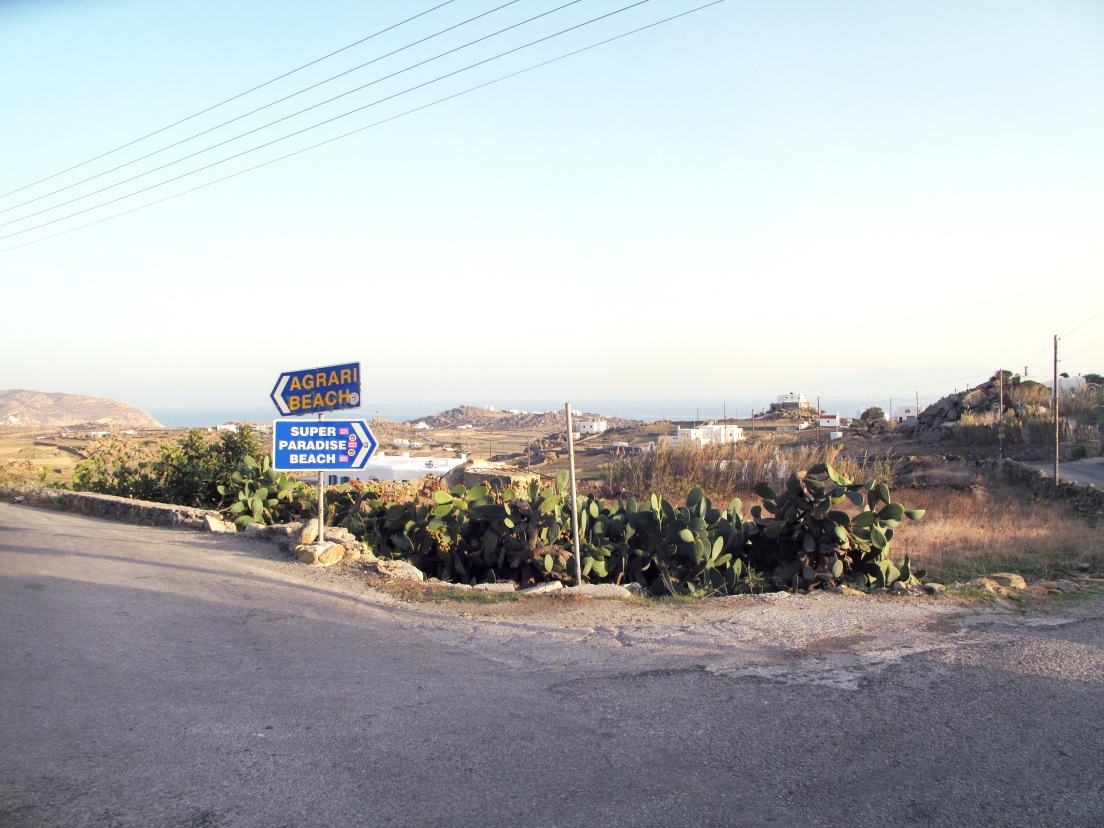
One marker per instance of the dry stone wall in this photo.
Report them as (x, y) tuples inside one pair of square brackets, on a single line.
[(1087, 500)]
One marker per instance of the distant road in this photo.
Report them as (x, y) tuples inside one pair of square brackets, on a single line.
[(169, 678), (1085, 472)]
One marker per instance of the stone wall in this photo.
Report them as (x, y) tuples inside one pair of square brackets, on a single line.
[(1087, 500), (111, 507)]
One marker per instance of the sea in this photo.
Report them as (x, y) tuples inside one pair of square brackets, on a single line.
[(645, 410)]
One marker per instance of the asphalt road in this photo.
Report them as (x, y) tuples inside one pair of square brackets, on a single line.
[(1086, 472), (162, 678)]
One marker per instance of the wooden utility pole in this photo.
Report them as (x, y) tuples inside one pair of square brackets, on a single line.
[(1057, 430), (1000, 418)]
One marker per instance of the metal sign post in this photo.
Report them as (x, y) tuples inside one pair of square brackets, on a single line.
[(574, 497)]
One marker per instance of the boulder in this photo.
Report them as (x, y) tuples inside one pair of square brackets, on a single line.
[(213, 524), (320, 554), (541, 589), (397, 570), (1010, 580)]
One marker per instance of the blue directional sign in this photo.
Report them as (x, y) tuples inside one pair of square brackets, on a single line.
[(315, 390), (299, 445)]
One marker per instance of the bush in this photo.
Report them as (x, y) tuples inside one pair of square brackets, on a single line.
[(185, 474)]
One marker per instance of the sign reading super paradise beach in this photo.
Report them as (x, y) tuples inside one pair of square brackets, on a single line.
[(301, 445), (315, 390)]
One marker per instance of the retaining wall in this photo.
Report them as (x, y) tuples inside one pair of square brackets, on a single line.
[(141, 512), (1088, 500)]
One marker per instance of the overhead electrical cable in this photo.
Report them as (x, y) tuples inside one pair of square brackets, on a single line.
[(1083, 324), (1090, 348), (313, 106), (292, 134), (251, 112), (230, 99), (367, 127)]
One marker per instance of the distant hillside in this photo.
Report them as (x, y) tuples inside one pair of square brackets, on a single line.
[(35, 409), (486, 420)]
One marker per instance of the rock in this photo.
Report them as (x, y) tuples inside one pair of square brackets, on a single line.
[(844, 589), (600, 591), (986, 583), (1035, 589), (306, 534), (1009, 580), (18, 499), (332, 553), (1066, 586), (213, 524), (253, 530), (398, 570), (541, 589), (1045, 584), (935, 590), (505, 586), (320, 554)]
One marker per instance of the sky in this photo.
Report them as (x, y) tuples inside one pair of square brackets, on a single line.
[(841, 199)]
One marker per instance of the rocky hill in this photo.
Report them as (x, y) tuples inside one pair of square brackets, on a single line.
[(486, 420), (35, 409)]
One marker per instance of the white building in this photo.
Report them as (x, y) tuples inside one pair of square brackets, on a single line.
[(830, 420), (591, 426), (792, 400), (421, 425), (399, 467), (710, 433), (904, 413), (1066, 384)]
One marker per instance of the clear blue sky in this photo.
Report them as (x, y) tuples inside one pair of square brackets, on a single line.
[(838, 198)]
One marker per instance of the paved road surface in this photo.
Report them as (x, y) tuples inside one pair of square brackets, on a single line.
[(159, 678), (1086, 472)]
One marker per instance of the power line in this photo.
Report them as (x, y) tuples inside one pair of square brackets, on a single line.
[(259, 109), (1091, 348), (363, 128), (293, 134), (300, 112), (1083, 324), (228, 100)]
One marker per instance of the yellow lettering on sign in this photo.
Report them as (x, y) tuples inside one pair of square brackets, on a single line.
[(333, 378), (346, 376), (331, 397), (319, 380), (295, 384), (293, 403), (308, 382), (317, 401)]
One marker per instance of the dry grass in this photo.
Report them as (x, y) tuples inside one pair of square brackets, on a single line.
[(733, 470), (994, 528)]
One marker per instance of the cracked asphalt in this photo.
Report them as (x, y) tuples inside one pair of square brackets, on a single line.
[(153, 677)]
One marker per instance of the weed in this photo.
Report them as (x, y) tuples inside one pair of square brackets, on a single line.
[(472, 596)]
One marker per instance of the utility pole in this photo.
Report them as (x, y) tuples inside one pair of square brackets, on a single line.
[(1056, 426), (574, 497), (818, 423), (1000, 418)]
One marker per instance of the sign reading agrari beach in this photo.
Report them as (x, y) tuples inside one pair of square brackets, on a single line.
[(315, 390)]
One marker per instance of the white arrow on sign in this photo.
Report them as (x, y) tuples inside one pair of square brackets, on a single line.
[(278, 395), (368, 445)]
